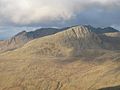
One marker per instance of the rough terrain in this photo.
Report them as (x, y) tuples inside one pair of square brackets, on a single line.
[(74, 59)]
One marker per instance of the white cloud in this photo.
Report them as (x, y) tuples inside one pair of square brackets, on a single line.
[(25, 12)]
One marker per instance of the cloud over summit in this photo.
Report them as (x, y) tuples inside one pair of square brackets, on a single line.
[(24, 12), (48, 12)]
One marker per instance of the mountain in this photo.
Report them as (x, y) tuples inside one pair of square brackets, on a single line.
[(23, 37), (114, 34), (73, 59), (112, 40), (17, 41), (70, 42), (100, 30)]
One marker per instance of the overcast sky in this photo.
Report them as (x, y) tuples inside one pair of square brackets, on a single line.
[(17, 15)]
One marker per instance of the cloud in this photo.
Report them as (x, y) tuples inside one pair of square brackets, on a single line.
[(58, 12), (29, 11)]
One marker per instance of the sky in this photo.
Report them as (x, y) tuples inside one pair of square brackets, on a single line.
[(19, 15)]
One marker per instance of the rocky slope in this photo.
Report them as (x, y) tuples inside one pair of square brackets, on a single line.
[(23, 37), (111, 40), (18, 40), (71, 42), (114, 34)]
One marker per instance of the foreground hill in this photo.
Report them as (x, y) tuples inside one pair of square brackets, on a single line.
[(60, 73)]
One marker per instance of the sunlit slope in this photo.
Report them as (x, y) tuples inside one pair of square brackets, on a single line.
[(70, 42), (38, 73)]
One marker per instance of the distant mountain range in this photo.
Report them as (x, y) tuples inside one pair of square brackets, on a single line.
[(23, 37), (100, 30)]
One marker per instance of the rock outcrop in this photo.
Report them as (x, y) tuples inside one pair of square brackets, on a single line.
[(23, 37)]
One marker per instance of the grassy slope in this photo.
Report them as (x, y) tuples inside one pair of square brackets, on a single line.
[(39, 73)]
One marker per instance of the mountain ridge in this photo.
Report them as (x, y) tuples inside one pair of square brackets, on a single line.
[(23, 37), (71, 42)]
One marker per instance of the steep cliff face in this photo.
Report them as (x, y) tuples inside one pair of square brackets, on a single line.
[(71, 42), (17, 41)]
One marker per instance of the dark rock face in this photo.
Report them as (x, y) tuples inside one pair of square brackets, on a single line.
[(102, 30), (43, 32)]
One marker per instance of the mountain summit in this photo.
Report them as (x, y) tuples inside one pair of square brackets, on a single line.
[(70, 42), (77, 32)]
